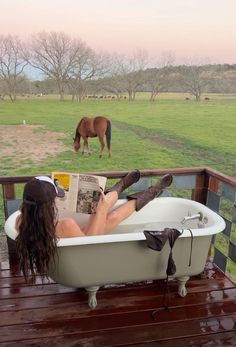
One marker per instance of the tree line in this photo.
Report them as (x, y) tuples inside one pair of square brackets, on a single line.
[(70, 66)]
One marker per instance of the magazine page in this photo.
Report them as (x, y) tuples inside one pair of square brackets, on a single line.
[(89, 191), (69, 182), (82, 191)]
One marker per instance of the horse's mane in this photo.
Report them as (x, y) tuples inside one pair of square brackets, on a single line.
[(77, 134)]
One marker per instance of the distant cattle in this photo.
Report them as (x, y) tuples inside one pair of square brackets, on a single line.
[(206, 98), (187, 99)]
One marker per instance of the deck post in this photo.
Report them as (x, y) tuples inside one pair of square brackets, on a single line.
[(8, 192), (201, 188)]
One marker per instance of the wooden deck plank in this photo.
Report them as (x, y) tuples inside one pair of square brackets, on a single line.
[(26, 291), (105, 304), (69, 311), (54, 315), (8, 286), (143, 296), (7, 281), (216, 340), (123, 336)]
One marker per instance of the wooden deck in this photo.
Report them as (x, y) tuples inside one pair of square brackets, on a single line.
[(131, 315)]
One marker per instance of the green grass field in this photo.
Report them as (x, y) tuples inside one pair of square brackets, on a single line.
[(168, 133)]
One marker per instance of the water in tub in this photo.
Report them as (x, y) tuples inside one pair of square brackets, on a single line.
[(159, 225), (124, 227)]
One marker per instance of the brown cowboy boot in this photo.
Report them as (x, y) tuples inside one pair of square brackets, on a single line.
[(142, 198), (125, 182)]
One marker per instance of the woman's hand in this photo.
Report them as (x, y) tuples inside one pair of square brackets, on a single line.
[(103, 203)]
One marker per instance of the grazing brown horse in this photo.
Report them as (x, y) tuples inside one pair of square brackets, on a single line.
[(93, 127)]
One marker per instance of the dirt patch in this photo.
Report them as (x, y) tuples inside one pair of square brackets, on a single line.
[(29, 142)]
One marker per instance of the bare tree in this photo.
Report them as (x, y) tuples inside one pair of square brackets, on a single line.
[(195, 78), (131, 70), (87, 65), (113, 85), (12, 64), (113, 82), (158, 79), (54, 54), (2, 90)]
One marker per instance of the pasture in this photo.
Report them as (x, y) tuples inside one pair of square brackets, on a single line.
[(170, 132)]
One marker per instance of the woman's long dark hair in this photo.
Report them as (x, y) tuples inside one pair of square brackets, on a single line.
[(36, 242)]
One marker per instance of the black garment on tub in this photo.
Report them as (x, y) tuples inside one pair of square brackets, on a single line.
[(156, 241)]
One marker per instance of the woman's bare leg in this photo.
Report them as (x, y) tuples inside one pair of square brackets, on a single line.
[(112, 198), (119, 214)]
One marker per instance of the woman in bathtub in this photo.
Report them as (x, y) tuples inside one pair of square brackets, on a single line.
[(39, 228)]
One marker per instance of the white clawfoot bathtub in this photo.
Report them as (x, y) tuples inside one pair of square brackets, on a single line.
[(123, 256)]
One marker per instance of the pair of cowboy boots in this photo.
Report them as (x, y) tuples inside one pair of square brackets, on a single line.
[(142, 198)]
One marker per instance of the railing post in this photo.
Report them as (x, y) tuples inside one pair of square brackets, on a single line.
[(213, 187), (213, 184), (201, 188), (8, 191)]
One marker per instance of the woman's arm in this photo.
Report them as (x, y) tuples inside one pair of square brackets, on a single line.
[(97, 222)]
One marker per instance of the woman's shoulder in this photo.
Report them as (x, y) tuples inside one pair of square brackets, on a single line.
[(66, 223)]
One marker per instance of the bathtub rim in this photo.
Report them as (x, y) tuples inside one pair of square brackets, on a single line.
[(134, 236)]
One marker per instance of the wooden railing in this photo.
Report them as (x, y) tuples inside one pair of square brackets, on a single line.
[(202, 184)]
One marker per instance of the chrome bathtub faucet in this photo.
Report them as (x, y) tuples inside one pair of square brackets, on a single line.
[(198, 216)]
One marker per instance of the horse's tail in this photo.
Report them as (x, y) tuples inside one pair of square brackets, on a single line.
[(108, 134)]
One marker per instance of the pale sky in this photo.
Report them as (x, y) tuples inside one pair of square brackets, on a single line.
[(188, 28)]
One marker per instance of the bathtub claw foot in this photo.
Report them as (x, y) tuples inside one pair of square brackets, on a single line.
[(92, 299), (182, 291)]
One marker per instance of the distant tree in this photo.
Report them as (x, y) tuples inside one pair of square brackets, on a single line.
[(158, 79), (194, 79), (131, 71), (46, 86), (113, 85), (2, 90), (87, 65), (112, 82), (12, 64), (54, 54)]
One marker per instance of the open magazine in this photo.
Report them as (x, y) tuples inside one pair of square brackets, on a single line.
[(82, 191)]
